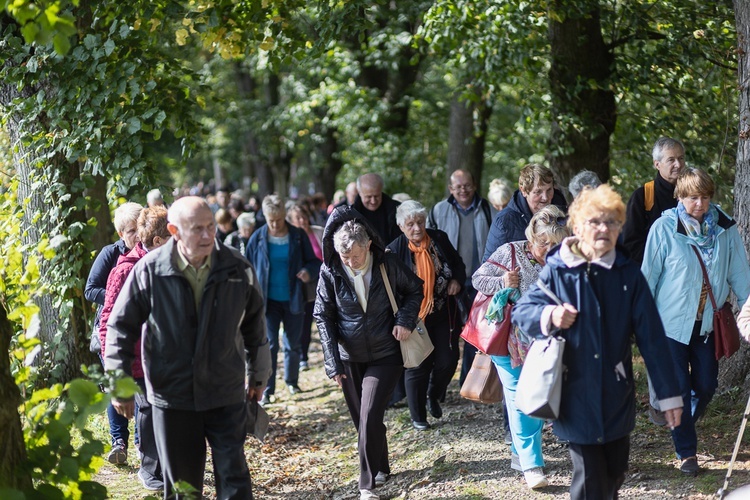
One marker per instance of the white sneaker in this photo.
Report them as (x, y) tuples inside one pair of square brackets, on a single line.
[(381, 478), (535, 478), (515, 462), (368, 495)]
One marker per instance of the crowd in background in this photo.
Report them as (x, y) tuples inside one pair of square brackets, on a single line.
[(335, 262)]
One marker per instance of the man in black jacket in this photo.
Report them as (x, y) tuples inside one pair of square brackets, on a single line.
[(376, 207), (646, 204), (200, 311), (644, 208)]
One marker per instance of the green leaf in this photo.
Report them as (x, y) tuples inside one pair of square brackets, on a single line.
[(133, 125), (82, 392)]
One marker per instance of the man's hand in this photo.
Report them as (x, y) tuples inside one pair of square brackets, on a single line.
[(339, 378), (674, 417), (401, 332), (564, 316), (255, 392), (124, 408)]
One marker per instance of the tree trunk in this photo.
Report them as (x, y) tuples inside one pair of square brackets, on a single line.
[(583, 106), (62, 333), (12, 446), (736, 370), (332, 164), (467, 133), (99, 209)]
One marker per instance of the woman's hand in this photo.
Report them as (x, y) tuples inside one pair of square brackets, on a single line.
[(303, 276), (401, 332), (338, 378), (454, 287), (564, 316), (512, 278)]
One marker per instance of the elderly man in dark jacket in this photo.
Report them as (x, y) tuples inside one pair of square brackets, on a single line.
[(359, 332), (200, 311)]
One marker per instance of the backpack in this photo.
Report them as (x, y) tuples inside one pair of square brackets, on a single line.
[(648, 195)]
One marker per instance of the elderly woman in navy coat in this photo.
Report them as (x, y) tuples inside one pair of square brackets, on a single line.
[(606, 300)]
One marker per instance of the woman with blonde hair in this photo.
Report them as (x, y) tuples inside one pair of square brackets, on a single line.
[(595, 298), (517, 265)]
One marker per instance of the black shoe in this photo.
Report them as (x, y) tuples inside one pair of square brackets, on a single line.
[(433, 406), (690, 466), (119, 453), (420, 426)]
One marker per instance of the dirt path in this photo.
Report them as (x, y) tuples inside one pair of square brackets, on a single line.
[(310, 453)]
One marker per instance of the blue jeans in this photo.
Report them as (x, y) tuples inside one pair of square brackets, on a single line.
[(698, 376), (276, 313), (526, 431), (118, 425)]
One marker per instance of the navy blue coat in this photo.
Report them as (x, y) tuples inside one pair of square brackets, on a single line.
[(598, 404), (301, 256)]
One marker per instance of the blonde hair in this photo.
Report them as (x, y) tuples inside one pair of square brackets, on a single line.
[(548, 223), (694, 181), (593, 200), (499, 193)]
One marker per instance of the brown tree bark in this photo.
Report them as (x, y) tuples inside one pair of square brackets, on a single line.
[(736, 370), (583, 106), (12, 446), (467, 134)]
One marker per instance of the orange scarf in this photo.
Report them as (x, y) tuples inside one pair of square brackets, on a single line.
[(426, 271)]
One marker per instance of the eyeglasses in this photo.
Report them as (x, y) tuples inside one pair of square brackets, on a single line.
[(548, 220), (609, 224), (463, 187)]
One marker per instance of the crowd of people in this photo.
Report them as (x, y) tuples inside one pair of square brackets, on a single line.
[(196, 300)]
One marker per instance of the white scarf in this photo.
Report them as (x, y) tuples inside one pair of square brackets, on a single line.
[(361, 280)]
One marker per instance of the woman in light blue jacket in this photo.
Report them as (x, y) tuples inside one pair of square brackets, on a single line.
[(695, 228)]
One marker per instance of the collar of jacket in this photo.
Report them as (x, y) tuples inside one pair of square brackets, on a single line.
[(724, 222), (220, 260)]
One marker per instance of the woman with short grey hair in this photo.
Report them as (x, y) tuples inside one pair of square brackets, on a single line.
[(430, 254), (360, 334)]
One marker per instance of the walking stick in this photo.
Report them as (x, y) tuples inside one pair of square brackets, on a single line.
[(723, 490)]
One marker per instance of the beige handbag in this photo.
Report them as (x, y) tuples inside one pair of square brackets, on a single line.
[(418, 346), (482, 384)]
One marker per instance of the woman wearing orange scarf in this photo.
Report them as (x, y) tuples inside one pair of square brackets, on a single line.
[(431, 256)]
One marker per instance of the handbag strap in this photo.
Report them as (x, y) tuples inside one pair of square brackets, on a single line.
[(512, 260), (705, 277), (389, 289)]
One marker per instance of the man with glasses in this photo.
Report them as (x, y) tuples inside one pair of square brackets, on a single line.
[(646, 204), (466, 218)]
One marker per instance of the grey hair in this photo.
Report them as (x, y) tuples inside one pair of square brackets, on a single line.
[(548, 222), (499, 192), (584, 178), (246, 219), (663, 143), (371, 179), (273, 204), (154, 195), (126, 213), (349, 234), (410, 209)]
